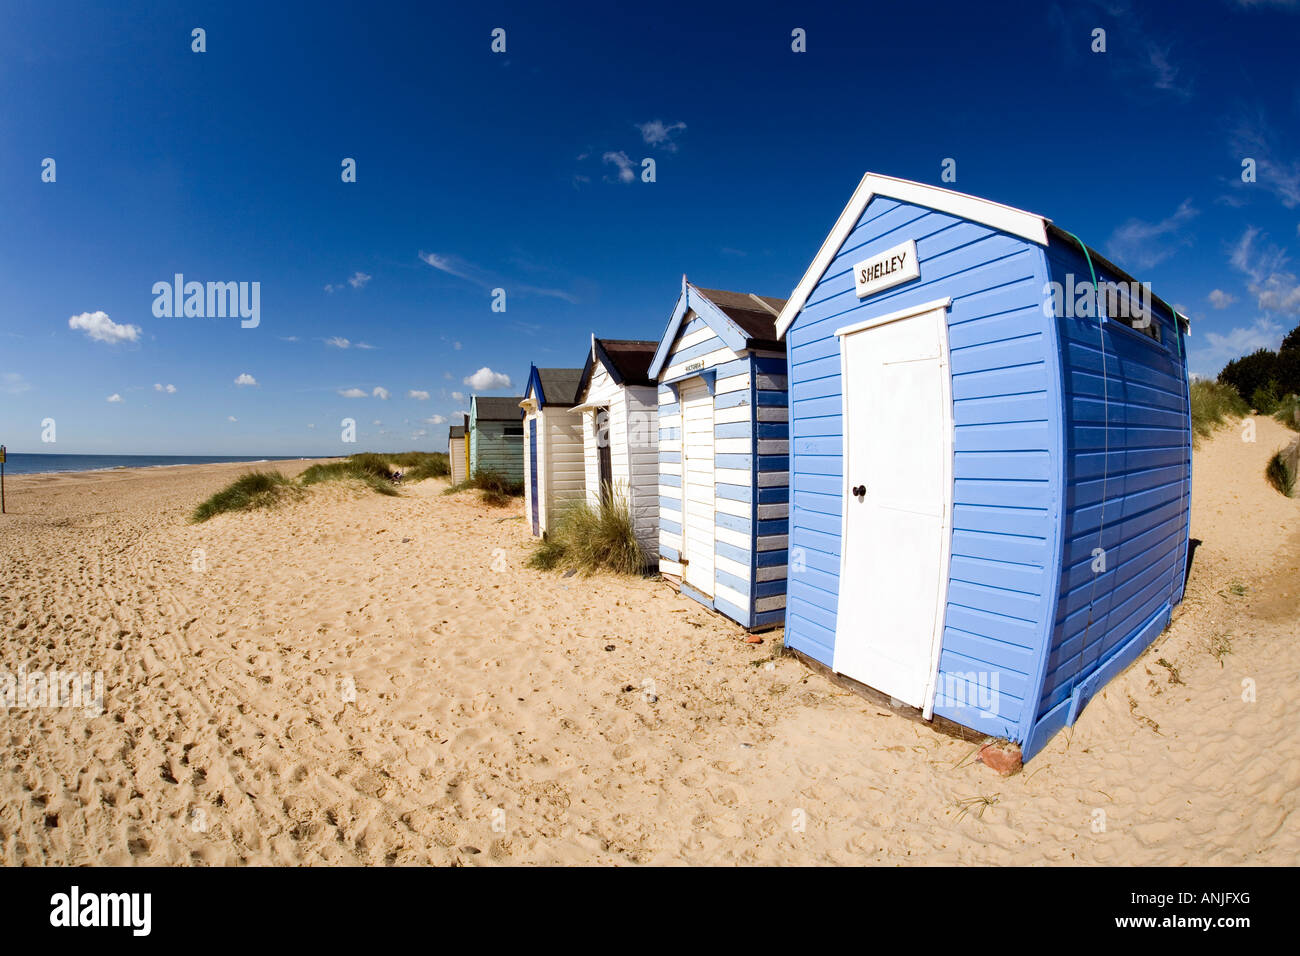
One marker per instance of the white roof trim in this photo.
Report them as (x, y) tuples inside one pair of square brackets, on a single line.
[(1017, 222)]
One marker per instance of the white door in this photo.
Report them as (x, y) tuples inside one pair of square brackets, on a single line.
[(898, 447), (697, 487)]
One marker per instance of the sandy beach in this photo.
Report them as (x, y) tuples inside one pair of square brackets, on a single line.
[(353, 678)]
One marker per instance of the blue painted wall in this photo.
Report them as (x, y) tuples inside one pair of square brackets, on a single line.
[(1127, 487)]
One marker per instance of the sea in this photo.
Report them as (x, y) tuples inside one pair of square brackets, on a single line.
[(17, 463)]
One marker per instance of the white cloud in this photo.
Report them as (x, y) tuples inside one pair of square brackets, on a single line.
[(1141, 245), (624, 164), (231, 418), (169, 389), (101, 328), (352, 392), (311, 425), (485, 379), (1270, 280), (660, 134), (458, 396), (453, 265), (380, 392), (12, 383), (288, 338), (338, 342), (359, 280), (435, 420), (115, 397), (376, 422), (1215, 350), (364, 345), (245, 379), (1220, 299), (418, 395), (1164, 72)]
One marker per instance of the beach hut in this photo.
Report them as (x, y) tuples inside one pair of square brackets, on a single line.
[(552, 443), (456, 458), (990, 460), (619, 402), (723, 453), (496, 436)]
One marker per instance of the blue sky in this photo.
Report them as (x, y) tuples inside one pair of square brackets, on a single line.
[(479, 170)]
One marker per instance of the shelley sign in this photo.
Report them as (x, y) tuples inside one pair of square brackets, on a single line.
[(889, 268)]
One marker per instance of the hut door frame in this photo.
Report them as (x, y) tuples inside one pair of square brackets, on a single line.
[(869, 620), (706, 585), (604, 452), (533, 476)]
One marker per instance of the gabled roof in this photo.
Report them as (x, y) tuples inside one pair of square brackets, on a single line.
[(626, 360), (456, 431), (1000, 217), (489, 408), (742, 320), (1006, 219), (557, 387)]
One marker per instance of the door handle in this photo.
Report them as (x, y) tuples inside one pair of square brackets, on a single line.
[(860, 492)]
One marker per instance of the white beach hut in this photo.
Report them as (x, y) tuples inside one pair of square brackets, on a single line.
[(457, 454), (620, 431), (553, 453)]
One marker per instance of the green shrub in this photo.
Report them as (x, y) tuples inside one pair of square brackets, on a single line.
[(1279, 474), (1288, 411), (258, 489), (1264, 399), (587, 539), (1212, 404)]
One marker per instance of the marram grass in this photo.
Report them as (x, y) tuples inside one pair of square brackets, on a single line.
[(258, 489), (588, 538), (1279, 474), (1213, 403), (264, 489)]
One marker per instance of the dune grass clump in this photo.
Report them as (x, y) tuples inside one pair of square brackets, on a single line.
[(1280, 475), (494, 488), (419, 465), (371, 470), (1213, 403), (588, 538), (258, 489), (1288, 411)]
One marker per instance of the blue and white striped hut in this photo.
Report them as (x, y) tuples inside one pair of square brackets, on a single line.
[(990, 460), (723, 453)]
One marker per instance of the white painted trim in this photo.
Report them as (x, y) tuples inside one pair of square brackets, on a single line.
[(907, 313), (936, 640), (1007, 219)]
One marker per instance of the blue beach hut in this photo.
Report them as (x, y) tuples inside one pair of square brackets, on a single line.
[(990, 460), (723, 449)]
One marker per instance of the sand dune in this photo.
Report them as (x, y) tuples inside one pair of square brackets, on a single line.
[(359, 679)]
